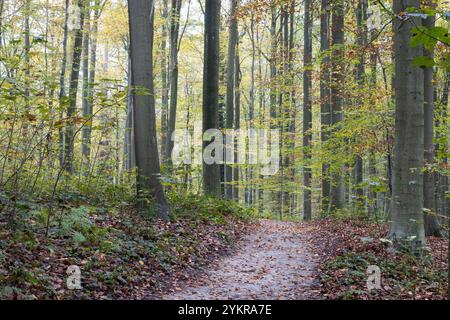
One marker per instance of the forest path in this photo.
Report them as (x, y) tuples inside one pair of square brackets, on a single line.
[(272, 262)]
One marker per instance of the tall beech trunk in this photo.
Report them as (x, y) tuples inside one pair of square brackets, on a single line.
[(129, 151), (73, 91), (88, 109), (432, 227), (164, 82), (372, 207), (62, 83), (237, 117), (141, 14), (307, 111), (173, 65), (2, 6), (26, 49), (325, 95), (408, 158), (337, 193), (85, 149), (361, 17), (231, 66), (211, 173)]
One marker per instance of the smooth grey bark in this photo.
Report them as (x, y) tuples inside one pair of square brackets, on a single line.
[(408, 159), (85, 148), (88, 107), (250, 199), (307, 110), (26, 49), (129, 153), (237, 117), (211, 175), (361, 17), (230, 94), (173, 75), (293, 107), (62, 83), (147, 159), (325, 95), (371, 163), (73, 91), (337, 193), (164, 81), (273, 68), (2, 5), (431, 223)]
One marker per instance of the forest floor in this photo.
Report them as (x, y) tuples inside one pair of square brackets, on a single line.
[(210, 249), (273, 261), (323, 259)]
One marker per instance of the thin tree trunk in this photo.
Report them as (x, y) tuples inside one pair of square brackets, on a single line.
[(129, 153), (432, 227), (360, 78), (62, 83), (307, 111), (141, 13), (164, 82), (85, 148), (237, 117), (231, 66), (337, 193), (174, 35), (211, 178), (89, 110), (73, 91), (2, 6), (325, 94), (27, 48)]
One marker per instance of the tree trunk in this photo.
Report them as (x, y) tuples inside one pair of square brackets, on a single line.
[(88, 110), (164, 83), (337, 193), (129, 151), (432, 227), (407, 201), (62, 83), (325, 93), (360, 78), (231, 65), (211, 177), (237, 118), (146, 148), (307, 111), (73, 91), (85, 148), (174, 35), (2, 5), (27, 48)]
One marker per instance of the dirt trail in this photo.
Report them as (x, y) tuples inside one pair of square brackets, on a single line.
[(273, 262)]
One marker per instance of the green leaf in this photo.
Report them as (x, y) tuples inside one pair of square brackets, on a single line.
[(423, 62)]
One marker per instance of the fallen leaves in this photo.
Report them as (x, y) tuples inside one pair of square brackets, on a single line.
[(348, 247)]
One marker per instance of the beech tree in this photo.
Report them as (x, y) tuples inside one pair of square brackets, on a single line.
[(69, 139), (230, 94), (146, 149), (307, 110), (407, 198), (211, 176), (173, 73), (337, 193)]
